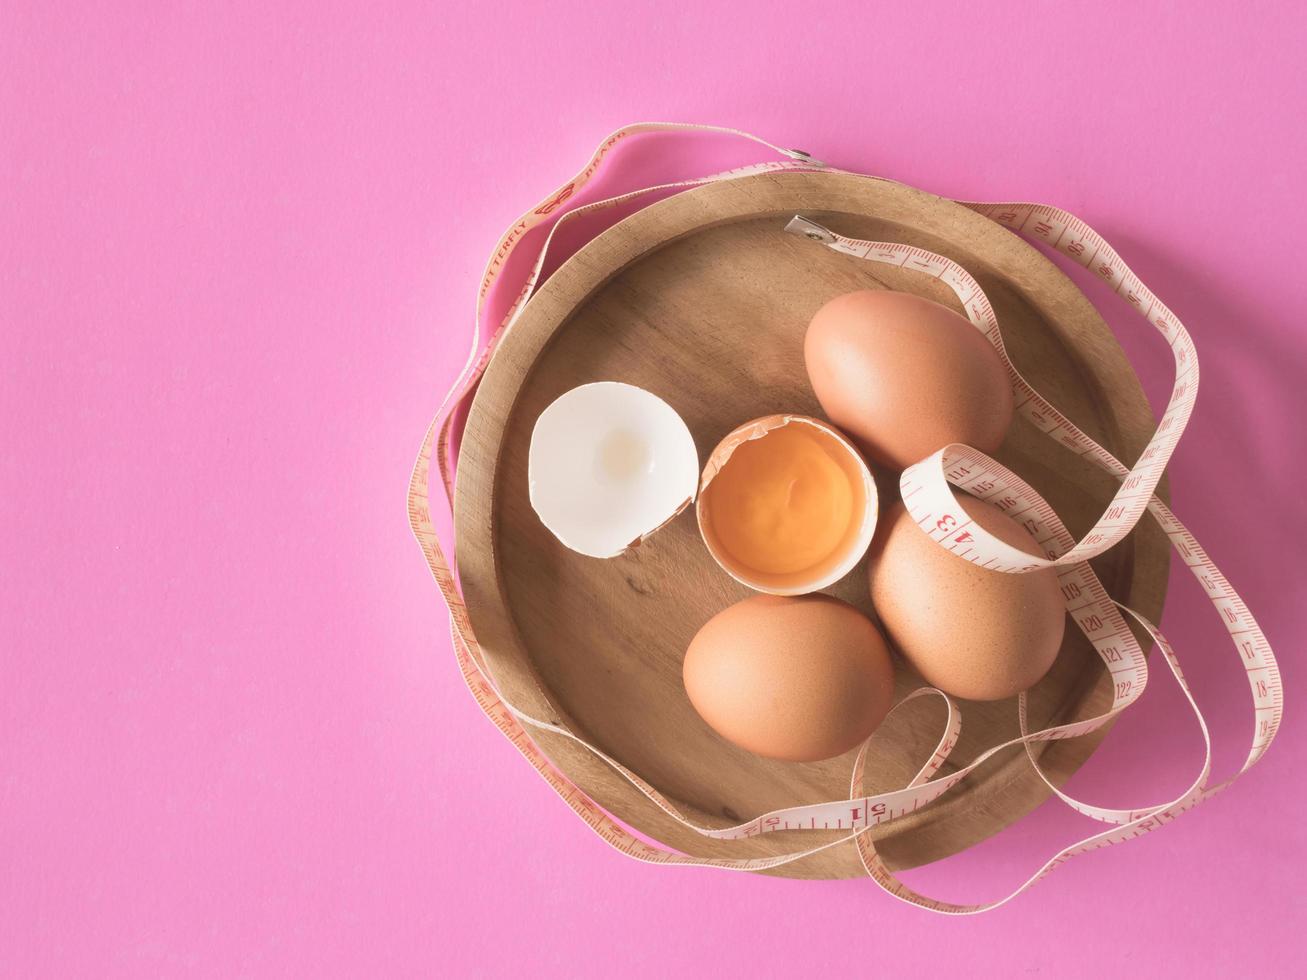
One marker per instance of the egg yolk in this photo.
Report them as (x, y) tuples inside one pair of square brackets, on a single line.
[(786, 501)]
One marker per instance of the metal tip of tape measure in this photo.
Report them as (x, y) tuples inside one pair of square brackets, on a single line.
[(804, 156), (800, 225)]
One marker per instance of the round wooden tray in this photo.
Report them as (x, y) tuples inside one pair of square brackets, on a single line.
[(703, 300)]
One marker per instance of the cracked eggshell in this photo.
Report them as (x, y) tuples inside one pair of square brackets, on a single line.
[(825, 573), (610, 464)]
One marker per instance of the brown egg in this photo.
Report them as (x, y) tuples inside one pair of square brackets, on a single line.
[(799, 678), (904, 376), (969, 631)]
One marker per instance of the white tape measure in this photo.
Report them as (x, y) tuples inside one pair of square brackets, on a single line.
[(927, 493)]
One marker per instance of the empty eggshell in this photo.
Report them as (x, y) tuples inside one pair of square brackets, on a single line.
[(799, 678), (904, 376), (970, 631), (609, 464)]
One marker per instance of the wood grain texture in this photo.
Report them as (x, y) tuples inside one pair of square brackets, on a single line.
[(703, 300)]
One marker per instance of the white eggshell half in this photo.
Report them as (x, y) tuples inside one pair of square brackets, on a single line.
[(609, 464)]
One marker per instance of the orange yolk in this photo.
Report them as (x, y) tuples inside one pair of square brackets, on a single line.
[(787, 501)]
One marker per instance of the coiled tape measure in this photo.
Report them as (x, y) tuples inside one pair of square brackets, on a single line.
[(927, 492)]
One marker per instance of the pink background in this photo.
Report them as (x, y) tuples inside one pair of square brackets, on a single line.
[(237, 257)]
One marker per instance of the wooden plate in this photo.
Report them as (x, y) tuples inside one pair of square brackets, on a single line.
[(703, 300)]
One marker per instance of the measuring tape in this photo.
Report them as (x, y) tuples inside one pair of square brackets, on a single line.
[(926, 489)]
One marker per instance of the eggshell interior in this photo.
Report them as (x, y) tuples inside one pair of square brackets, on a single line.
[(610, 463)]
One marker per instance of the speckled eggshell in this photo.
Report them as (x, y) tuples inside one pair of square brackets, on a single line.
[(904, 376), (799, 678), (971, 632)]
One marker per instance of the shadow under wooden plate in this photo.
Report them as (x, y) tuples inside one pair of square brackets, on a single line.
[(703, 300)]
